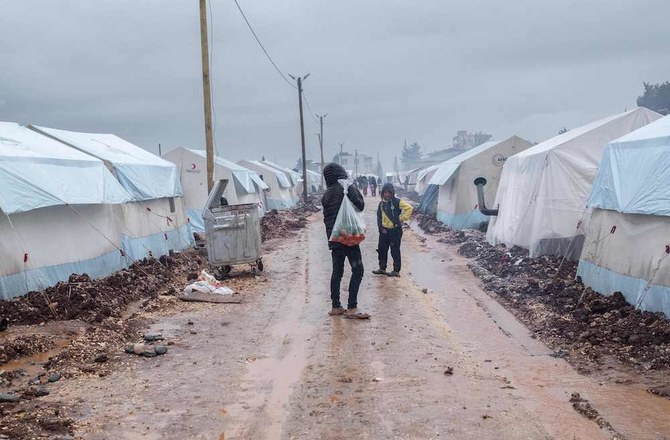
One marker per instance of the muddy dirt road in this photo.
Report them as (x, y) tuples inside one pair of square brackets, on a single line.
[(278, 367)]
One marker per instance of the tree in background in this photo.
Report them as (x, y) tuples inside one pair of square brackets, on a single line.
[(656, 97), (410, 155), (563, 130)]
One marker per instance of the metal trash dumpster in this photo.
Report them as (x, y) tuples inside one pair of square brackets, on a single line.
[(233, 232)]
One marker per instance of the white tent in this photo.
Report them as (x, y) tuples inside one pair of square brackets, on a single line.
[(56, 213), (543, 190), (154, 222), (457, 194), (280, 194), (627, 247), (423, 178), (294, 178), (244, 185), (315, 181)]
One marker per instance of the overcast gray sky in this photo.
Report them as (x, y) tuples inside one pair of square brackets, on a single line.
[(383, 70)]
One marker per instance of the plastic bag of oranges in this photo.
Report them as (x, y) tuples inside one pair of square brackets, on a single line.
[(349, 228)]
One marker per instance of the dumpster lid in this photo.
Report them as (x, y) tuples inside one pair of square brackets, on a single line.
[(214, 199)]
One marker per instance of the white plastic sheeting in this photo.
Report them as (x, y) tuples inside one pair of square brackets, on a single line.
[(626, 248), (632, 260), (634, 176), (543, 190), (144, 175), (424, 177), (37, 172), (457, 204)]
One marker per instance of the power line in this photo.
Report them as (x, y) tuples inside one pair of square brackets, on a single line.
[(304, 97), (263, 47)]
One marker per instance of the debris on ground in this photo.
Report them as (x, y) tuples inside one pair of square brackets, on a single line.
[(280, 224), (207, 284), (580, 325), (428, 223), (146, 350), (583, 407), (94, 300), (449, 371)]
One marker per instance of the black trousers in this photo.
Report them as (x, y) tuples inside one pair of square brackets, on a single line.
[(391, 240), (339, 254)]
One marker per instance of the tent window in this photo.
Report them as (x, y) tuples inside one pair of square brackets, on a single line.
[(171, 201)]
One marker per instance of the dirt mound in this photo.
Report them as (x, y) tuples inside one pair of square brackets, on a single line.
[(94, 300), (429, 224), (546, 295), (279, 224)]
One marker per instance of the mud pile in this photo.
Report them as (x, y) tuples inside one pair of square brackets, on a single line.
[(429, 224), (583, 326), (94, 300), (280, 224)]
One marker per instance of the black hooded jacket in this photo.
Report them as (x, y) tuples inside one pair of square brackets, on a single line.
[(332, 198)]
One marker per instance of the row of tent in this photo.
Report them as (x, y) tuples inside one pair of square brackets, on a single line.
[(598, 194), (94, 203)]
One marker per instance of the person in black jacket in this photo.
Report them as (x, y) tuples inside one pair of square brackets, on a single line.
[(331, 201)]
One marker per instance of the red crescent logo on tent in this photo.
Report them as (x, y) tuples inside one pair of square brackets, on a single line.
[(192, 166)]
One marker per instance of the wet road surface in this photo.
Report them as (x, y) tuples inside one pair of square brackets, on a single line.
[(278, 367)]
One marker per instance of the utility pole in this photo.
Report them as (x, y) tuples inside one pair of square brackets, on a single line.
[(323, 182), (302, 135), (207, 93), (341, 151), (160, 153)]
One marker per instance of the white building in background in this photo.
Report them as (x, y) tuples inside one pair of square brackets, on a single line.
[(359, 163)]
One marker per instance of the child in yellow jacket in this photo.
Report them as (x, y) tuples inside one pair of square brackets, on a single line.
[(391, 214)]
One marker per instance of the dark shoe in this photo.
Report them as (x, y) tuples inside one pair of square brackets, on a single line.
[(335, 311), (379, 272), (394, 274)]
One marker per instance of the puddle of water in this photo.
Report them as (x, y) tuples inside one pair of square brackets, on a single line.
[(33, 364)]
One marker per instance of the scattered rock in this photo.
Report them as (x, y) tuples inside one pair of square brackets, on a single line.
[(160, 349), (55, 377), (101, 358), (449, 371), (8, 398)]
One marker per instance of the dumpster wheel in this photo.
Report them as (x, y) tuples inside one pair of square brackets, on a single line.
[(222, 273)]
